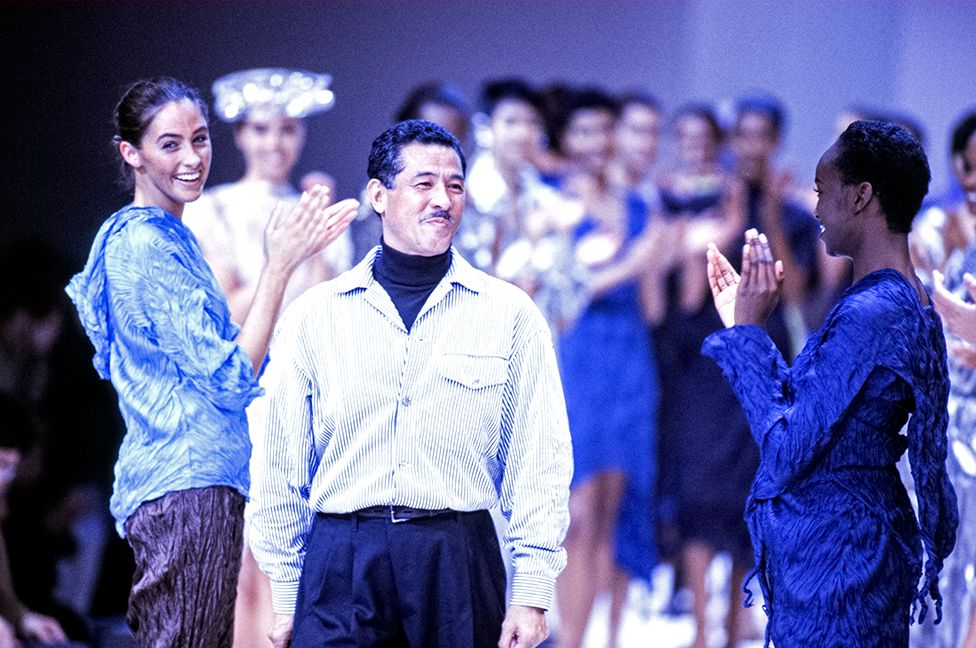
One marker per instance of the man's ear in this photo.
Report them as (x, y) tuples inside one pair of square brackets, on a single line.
[(377, 195), (130, 154), (863, 193)]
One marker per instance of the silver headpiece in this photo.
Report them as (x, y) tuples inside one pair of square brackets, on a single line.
[(294, 93)]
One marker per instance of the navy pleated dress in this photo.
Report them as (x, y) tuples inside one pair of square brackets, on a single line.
[(839, 552)]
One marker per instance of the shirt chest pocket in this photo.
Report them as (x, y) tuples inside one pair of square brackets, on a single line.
[(473, 371)]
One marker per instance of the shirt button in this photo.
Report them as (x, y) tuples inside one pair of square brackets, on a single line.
[(406, 401)]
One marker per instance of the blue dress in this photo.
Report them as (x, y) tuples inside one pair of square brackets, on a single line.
[(611, 399), (837, 546)]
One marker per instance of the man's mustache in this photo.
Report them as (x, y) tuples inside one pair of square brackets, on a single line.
[(437, 214)]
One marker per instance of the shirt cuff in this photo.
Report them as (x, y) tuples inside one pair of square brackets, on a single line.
[(284, 597), (533, 590)]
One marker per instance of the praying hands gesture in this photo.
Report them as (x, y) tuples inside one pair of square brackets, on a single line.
[(748, 298)]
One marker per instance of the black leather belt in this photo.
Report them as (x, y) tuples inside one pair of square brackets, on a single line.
[(392, 513)]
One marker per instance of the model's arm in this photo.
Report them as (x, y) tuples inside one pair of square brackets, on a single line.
[(792, 412), (289, 240)]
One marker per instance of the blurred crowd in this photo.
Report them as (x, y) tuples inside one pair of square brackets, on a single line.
[(567, 197)]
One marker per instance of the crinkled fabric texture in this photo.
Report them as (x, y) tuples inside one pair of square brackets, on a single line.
[(838, 549), (163, 335), (185, 584), (611, 392)]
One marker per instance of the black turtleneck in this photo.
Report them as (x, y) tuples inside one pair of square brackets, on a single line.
[(409, 279)]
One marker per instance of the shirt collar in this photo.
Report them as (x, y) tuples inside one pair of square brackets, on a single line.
[(361, 276)]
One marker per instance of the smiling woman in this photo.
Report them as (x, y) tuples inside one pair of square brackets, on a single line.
[(183, 371)]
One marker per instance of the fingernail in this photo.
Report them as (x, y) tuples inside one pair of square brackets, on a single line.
[(762, 239)]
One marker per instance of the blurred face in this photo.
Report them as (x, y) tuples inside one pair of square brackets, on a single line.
[(964, 164), (271, 144), (172, 161), (447, 116), (833, 210), (9, 460), (697, 147), (637, 137), (588, 138), (423, 209), (754, 141), (516, 130)]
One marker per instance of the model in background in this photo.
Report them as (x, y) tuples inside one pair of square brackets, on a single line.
[(703, 432), (608, 377), (267, 107), (945, 244)]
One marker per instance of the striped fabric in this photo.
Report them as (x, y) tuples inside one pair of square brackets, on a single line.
[(463, 411)]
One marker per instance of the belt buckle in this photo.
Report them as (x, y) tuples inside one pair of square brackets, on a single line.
[(394, 519)]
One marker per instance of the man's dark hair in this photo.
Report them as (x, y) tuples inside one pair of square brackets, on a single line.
[(766, 106), (385, 161), (17, 429), (891, 159), (510, 89), (962, 133)]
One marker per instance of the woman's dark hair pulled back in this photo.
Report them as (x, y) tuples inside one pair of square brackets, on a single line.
[(139, 105)]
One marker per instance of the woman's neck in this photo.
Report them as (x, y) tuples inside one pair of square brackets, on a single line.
[(890, 252)]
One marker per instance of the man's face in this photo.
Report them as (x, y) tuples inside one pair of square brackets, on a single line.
[(636, 136), (754, 141), (422, 211)]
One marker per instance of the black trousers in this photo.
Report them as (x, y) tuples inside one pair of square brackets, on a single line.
[(422, 583)]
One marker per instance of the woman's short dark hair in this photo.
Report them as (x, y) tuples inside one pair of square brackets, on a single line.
[(962, 133), (582, 99), (766, 106), (385, 161), (511, 89), (140, 104), (891, 159)]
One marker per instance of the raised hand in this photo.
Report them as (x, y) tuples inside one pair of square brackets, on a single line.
[(748, 298), (959, 316), (760, 282), (724, 282), (308, 229)]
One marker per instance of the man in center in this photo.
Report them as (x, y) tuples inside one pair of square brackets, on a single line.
[(407, 397)]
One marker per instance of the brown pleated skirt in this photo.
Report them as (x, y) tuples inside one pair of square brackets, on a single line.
[(187, 547)]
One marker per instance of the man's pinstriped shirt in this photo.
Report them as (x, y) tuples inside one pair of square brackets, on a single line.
[(461, 412)]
